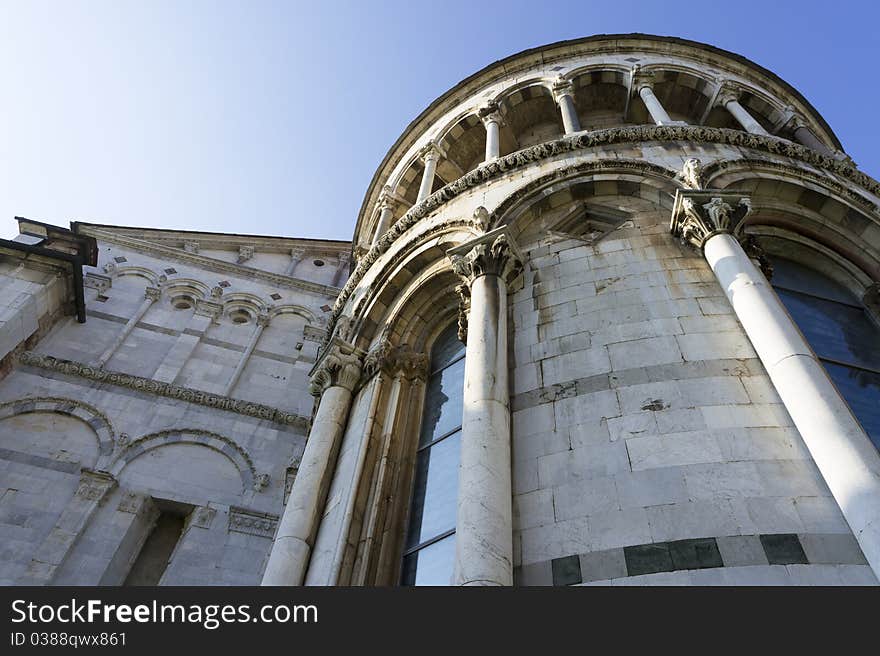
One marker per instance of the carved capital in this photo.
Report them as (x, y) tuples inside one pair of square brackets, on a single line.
[(152, 293), (93, 485), (431, 151), (263, 319), (641, 79), (395, 360), (491, 113), (699, 215), (212, 309), (560, 88), (483, 257), (245, 253), (727, 94), (191, 246), (339, 366), (216, 291)]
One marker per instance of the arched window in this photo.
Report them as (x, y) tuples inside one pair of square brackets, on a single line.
[(841, 333), (429, 549)]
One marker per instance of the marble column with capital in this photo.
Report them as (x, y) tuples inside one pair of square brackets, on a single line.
[(385, 207), (491, 116), (729, 99), (429, 155), (296, 256), (334, 378), (484, 526), (151, 295), (563, 93), (806, 137), (712, 221)]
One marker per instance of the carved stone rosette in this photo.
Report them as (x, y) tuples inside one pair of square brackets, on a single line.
[(698, 215), (340, 365)]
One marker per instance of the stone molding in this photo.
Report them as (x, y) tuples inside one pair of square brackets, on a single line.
[(94, 484), (210, 263), (210, 309), (252, 522), (584, 141), (698, 215), (96, 419), (339, 365), (202, 517), (151, 386)]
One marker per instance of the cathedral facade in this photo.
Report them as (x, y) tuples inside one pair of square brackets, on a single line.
[(610, 316)]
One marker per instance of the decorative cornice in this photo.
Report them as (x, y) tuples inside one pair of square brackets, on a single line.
[(584, 141), (151, 386), (698, 215), (210, 263)]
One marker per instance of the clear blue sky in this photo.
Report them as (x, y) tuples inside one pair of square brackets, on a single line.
[(271, 117)]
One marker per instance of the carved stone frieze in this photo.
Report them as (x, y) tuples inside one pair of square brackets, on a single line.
[(151, 386), (699, 215)]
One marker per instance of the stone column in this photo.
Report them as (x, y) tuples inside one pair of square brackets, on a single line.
[(484, 528), (491, 117), (341, 269), (848, 461), (430, 155), (51, 554), (386, 206), (175, 360), (563, 93), (262, 321), (333, 380), (805, 136), (151, 295), (296, 256), (729, 99)]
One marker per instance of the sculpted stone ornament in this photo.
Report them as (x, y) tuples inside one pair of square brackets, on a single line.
[(395, 360), (464, 307), (491, 113), (339, 365), (758, 256), (93, 484), (691, 174), (245, 253), (561, 87), (152, 293), (494, 258), (481, 219), (699, 215)]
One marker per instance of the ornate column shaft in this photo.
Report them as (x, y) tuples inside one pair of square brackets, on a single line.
[(333, 380), (491, 117), (563, 93), (484, 528), (430, 156), (296, 256), (262, 321), (729, 99), (151, 295), (847, 459)]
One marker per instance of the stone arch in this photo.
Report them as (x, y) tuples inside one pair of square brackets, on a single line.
[(600, 95), (684, 92), (464, 141), (141, 272), (304, 312), (530, 115), (185, 291), (90, 415), (807, 204), (223, 445)]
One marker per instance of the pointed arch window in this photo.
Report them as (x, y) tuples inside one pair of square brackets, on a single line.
[(840, 331), (429, 548)]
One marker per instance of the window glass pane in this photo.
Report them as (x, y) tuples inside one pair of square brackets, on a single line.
[(797, 277), (432, 565), (861, 389), (447, 348), (435, 491), (443, 402), (835, 331)]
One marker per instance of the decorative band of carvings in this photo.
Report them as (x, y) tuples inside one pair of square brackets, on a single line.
[(210, 263), (252, 522), (168, 390), (632, 134)]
